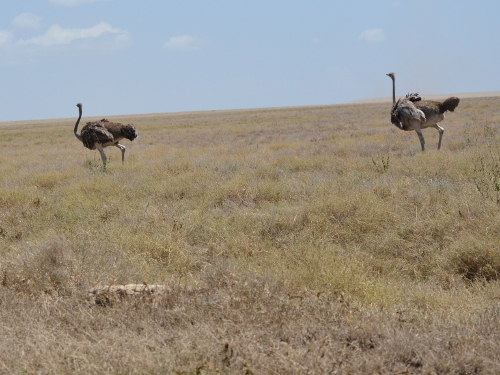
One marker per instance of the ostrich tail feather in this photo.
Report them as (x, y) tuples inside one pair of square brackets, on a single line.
[(449, 104)]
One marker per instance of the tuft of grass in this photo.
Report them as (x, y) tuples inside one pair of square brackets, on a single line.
[(383, 166), (45, 267), (476, 260)]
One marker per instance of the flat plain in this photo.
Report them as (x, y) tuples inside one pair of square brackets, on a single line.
[(290, 240)]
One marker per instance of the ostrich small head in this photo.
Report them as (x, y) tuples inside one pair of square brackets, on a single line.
[(390, 75), (79, 105)]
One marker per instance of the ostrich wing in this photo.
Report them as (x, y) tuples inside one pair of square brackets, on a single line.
[(93, 133), (403, 112)]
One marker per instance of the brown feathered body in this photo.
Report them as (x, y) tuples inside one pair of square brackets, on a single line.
[(103, 133), (412, 108), (106, 133)]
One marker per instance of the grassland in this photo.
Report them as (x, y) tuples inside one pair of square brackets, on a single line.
[(293, 240)]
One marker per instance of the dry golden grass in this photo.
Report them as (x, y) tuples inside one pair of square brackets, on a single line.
[(292, 240)]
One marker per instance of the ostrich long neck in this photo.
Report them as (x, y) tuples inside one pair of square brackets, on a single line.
[(77, 122), (393, 89)]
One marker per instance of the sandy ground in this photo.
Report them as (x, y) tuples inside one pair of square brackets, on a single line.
[(388, 99), (130, 117)]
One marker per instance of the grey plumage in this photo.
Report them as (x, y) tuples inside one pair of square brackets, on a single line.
[(103, 133), (414, 113), (403, 111)]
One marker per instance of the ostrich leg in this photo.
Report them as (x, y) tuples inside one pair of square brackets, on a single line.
[(441, 131), (422, 140), (122, 149), (103, 155)]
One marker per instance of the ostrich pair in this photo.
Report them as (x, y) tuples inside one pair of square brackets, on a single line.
[(413, 113), (103, 133), (408, 113)]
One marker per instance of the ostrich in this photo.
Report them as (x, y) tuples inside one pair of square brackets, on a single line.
[(413, 113), (103, 133)]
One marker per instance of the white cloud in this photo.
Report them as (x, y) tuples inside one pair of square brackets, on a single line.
[(72, 3), (5, 37), (27, 21), (101, 38), (183, 43), (56, 35), (372, 36)]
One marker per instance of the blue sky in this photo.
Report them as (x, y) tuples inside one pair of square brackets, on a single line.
[(130, 56)]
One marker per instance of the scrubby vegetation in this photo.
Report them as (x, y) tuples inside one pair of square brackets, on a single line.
[(293, 240)]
